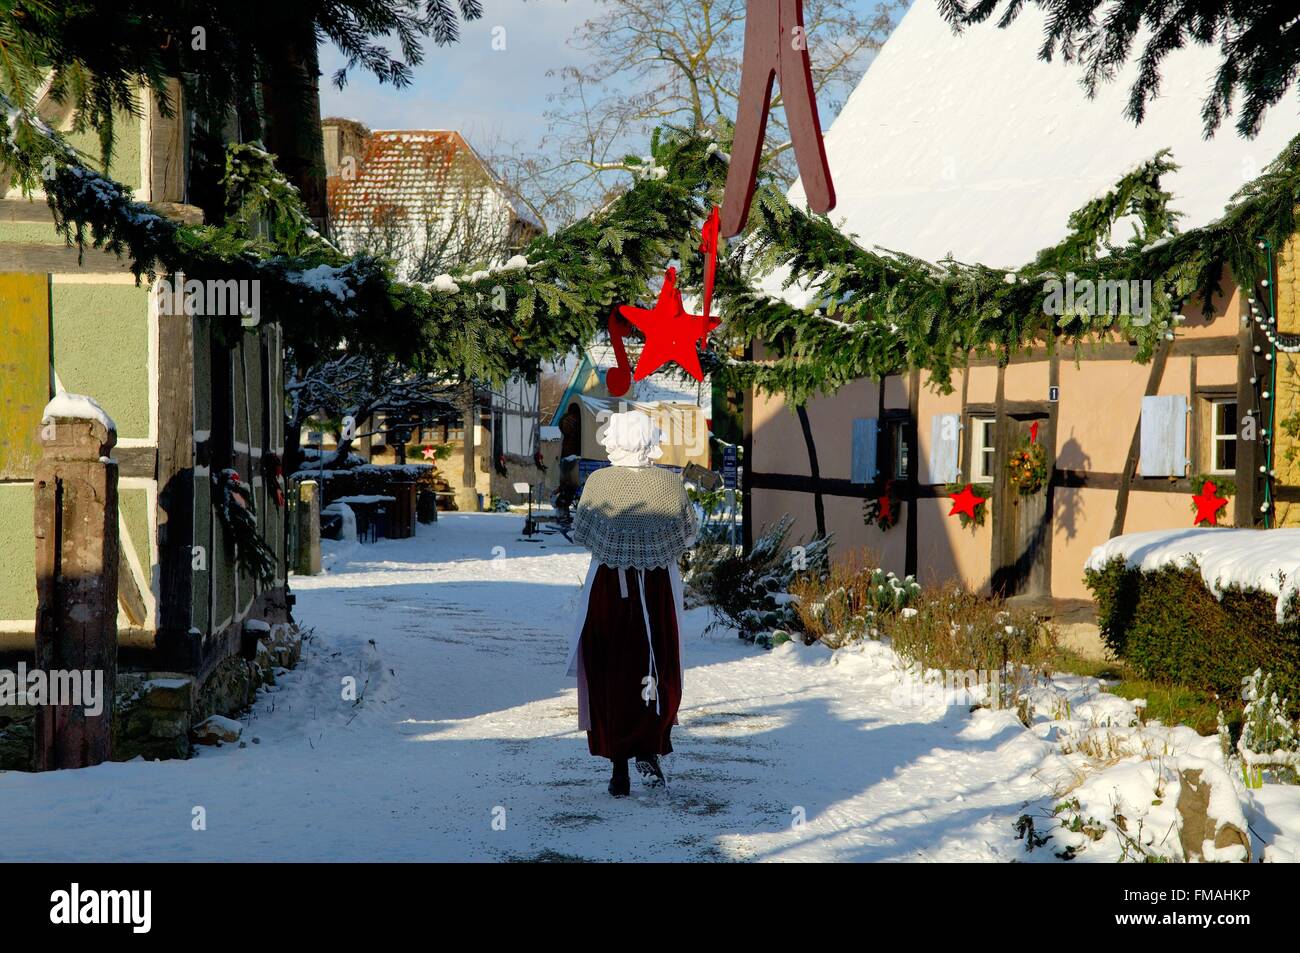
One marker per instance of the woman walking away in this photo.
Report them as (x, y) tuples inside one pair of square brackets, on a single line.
[(626, 648)]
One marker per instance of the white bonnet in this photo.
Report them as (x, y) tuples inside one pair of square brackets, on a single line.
[(631, 439)]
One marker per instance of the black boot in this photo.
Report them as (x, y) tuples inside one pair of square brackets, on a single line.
[(620, 783), (650, 770)]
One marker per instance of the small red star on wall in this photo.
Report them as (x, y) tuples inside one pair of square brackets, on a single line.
[(671, 333), (1208, 505), (965, 501), (428, 453)]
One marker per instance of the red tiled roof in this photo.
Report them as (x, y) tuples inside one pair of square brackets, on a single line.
[(411, 173)]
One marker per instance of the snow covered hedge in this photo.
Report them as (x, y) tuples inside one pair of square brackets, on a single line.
[(1203, 607)]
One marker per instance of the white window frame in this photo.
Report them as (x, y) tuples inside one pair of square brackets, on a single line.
[(1216, 435), (981, 440)]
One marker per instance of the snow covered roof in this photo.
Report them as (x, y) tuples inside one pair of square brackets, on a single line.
[(970, 145), (414, 172)]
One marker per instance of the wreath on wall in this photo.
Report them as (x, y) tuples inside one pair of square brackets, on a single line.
[(882, 511), (233, 501), (1223, 485), (971, 508), (1027, 467)]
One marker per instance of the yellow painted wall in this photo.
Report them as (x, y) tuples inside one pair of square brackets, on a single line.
[(1288, 377)]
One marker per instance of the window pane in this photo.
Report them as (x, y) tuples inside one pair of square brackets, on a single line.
[(1226, 414), (1225, 454)]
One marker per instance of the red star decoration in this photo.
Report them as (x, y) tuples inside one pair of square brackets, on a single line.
[(709, 246), (670, 332), (428, 453), (886, 510), (965, 501), (1208, 505)]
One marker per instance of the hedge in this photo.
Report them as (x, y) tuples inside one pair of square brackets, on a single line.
[(1168, 626)]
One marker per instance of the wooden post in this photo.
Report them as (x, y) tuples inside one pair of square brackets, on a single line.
[(308, 555), (467, 493), (76, 588)]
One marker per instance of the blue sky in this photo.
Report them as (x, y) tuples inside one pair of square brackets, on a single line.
[(491, 96), (485, 93)]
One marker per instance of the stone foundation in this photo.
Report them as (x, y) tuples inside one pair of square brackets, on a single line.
[(155, 713)]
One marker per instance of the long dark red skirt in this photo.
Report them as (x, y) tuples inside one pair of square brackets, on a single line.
[(616, 656)]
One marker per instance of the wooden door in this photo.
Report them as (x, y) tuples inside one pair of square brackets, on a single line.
[(1022, 526)]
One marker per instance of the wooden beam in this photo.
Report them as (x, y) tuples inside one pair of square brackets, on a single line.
[(1245, 511), (1218, 346), (175, 474), (128, 592), (913, 469), (59, 259), (747, 463), (819, 509), (136, 461)]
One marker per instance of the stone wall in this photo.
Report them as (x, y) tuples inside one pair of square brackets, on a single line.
[(156, 713)]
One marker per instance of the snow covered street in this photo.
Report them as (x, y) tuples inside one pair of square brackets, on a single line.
[(464, 744)]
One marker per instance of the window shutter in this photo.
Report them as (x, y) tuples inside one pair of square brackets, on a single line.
[(1164, 436), (945, 434), (864, 450)]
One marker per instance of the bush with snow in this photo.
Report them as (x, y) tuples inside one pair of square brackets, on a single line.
[(751, 592), (1167, 624)]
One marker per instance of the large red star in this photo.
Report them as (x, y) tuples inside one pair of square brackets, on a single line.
[(965, 501), (670, 332), (1208, 505)]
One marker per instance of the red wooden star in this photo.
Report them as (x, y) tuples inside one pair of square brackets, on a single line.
[(670, 332), (1208, 505), (965, 501)]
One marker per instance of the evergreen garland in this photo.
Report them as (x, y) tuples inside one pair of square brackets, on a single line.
[(872, 312), (235, 507)]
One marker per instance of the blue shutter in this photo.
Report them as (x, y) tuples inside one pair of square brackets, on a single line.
[(864, 450), (1164, 436), (945, 435)]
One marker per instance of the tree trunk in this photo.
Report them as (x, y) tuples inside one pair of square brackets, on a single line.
[(291, 99), (467, 496)]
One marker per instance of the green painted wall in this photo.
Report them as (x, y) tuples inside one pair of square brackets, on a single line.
[(125, 167), (17, 552), (42, 232), (133, 505), (101, 348)]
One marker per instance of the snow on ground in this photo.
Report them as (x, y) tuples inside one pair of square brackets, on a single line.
[(457, 641)]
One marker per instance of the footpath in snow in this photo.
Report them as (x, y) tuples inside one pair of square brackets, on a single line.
[(464, 746)]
